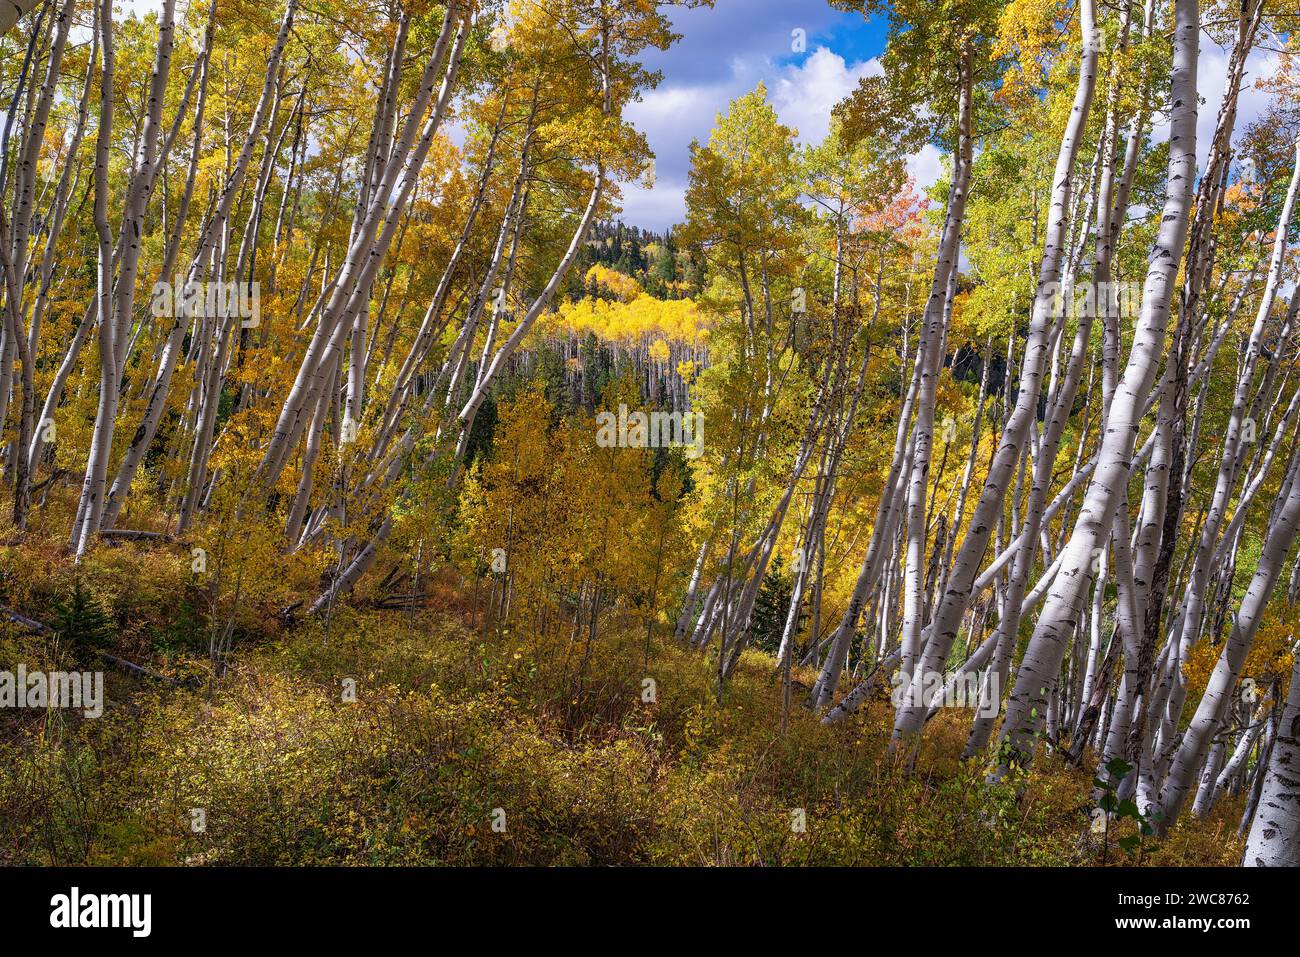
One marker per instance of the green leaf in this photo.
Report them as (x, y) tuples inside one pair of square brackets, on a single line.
[(1118, 767)]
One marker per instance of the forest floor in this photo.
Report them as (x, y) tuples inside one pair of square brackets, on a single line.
[(432, 736)]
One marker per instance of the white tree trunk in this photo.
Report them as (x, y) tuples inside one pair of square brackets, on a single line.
[(1042, 659), (1274, 839)]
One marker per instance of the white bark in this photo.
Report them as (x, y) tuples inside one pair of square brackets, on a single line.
[(1274, 839), (943, 629), (1042, 659)]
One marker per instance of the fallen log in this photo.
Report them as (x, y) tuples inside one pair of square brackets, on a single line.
[(139, 670), (31, 624)]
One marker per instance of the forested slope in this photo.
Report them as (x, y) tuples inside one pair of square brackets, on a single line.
[(417, 509)]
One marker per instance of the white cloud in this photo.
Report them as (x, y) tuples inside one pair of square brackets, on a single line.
[(1211, 74), (142, 8), (671, 116), (926, 166), (804, 96), (651, 207)]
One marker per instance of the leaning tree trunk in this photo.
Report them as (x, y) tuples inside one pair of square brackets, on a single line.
[(1043, 656), (11, 11), (208, 241), (930, 357), (1274, 839), (1223, 680), (92, 492), (943, 630)]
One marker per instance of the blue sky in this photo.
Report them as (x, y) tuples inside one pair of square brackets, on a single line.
[(725, 51)]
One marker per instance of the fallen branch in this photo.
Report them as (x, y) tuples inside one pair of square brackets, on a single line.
[(851, 701), (135, 535), (288, 614), (29, 623), (139, 670), (128, 666), (50, 480)]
